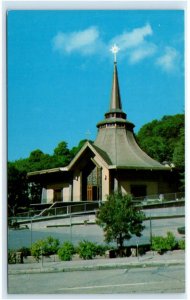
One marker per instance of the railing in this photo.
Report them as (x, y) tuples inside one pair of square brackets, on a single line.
[(60, 208), (30, 213), (59, 211), (159, 198), (70, 209)]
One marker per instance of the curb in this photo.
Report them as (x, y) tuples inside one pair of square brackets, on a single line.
[(98, 267)]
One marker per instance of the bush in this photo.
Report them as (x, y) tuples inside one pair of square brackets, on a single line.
[(36, 249), (66, 251), (181, 244), (25, 251), (181, 230), (101, 249), (171, 242), (87, 250), (50, 246), (162, 244), (45, 247), (11, 256)]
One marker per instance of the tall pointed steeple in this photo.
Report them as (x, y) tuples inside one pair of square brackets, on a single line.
[(115, 101), (115, 116), (115, 137)]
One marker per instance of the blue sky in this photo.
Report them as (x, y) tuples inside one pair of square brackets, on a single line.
[(60, 72)]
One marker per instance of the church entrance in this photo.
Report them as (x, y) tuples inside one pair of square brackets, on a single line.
[(92, 183), (58, 195)]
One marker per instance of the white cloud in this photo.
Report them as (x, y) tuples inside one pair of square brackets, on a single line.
[(82, 41), (88, 41), (140, 53), (135, 45), (132, 39), (168, 61)]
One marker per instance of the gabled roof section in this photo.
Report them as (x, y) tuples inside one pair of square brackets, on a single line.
[(102, 156), (46, 171), (98, 152)]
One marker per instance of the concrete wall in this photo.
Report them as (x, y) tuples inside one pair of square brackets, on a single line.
[(77, 182), (65, 188), (152, 186), (50, 194), (105, 183)]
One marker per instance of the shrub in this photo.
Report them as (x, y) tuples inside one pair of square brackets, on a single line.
[(162, 244), (171, 242), (25, 251), (181, 244), (181, 230), (101, 249), (50, 245), (158, 243), (45, 247), (36, 249), (87, 250), (66, 251), (11, 256)]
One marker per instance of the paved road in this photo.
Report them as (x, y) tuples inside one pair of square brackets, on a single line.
[(154, 280), (19, 238)]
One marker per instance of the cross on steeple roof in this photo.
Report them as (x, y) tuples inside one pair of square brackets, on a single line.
[(114, 49)]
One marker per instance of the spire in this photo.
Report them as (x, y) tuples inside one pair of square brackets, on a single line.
[(115, 117), (115, 101)]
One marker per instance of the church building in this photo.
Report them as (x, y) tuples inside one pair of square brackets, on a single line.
[(113, 162)]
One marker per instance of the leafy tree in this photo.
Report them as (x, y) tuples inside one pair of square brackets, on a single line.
[(179, 157), (39, 161), (76, 149), (159, 138), (17, 189), (164, 140), (179, 151), (62, 154), (34, 192), (120, 219)]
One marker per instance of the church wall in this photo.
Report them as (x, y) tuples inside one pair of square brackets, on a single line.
[(65, 192), (151, 187), (77, 181), (49, 196), (105, 183)]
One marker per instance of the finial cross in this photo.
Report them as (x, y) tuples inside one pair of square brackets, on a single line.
[(114, 49), (88, 133)]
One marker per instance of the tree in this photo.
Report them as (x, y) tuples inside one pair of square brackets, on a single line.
[(62, 154), (160, 137), (120, 219), (164, 140), (17, 189), (179, 158), (76, 149)]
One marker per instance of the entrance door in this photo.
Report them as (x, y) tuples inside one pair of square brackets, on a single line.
[(91, 182), (58, 195), (92, 192)]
